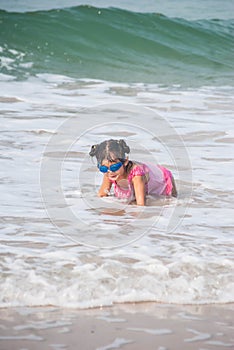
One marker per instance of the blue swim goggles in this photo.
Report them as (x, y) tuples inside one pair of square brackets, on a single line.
[(112, 168)]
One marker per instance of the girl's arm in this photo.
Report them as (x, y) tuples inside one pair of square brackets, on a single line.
[(139, 188), (105, 186)]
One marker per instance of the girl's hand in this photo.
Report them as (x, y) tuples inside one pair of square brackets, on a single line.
[(104, 190)]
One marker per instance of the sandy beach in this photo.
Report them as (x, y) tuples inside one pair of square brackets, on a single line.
[(123, 326)]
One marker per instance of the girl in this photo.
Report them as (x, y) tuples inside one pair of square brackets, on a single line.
[(131, 180)]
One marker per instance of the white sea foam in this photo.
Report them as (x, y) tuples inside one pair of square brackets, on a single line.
[(42, 265)]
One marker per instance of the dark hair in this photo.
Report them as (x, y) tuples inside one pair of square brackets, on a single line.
[(110, 150)]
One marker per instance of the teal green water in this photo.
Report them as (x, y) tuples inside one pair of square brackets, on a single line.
[(117, 45)]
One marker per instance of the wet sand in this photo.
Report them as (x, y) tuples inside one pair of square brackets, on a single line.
[(133, 326)]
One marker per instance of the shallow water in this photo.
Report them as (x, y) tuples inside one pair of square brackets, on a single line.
[(81, 251), (132, 326)]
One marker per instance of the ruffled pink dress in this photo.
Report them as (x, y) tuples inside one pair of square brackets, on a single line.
[(159, 181)]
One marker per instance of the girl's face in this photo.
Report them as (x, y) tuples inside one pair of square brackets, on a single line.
[(115, 175)]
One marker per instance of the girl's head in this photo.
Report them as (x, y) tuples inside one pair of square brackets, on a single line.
[(110, 150)]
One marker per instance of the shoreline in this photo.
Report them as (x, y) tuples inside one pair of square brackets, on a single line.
[(130, 326)]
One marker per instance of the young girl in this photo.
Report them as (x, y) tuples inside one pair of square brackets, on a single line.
[(131, 180)]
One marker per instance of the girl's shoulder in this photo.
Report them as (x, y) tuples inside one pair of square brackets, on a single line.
[(137, 169)]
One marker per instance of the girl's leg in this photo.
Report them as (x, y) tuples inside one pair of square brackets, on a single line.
[(174, 190)]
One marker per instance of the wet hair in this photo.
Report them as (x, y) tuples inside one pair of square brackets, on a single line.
[(110, 150)]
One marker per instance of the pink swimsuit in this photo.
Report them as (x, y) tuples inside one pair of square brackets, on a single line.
[(159, 181)]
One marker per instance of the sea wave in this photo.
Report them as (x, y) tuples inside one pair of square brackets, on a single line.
[(117, 45)]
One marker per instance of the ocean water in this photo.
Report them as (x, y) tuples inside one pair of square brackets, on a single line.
[(74, 74)]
